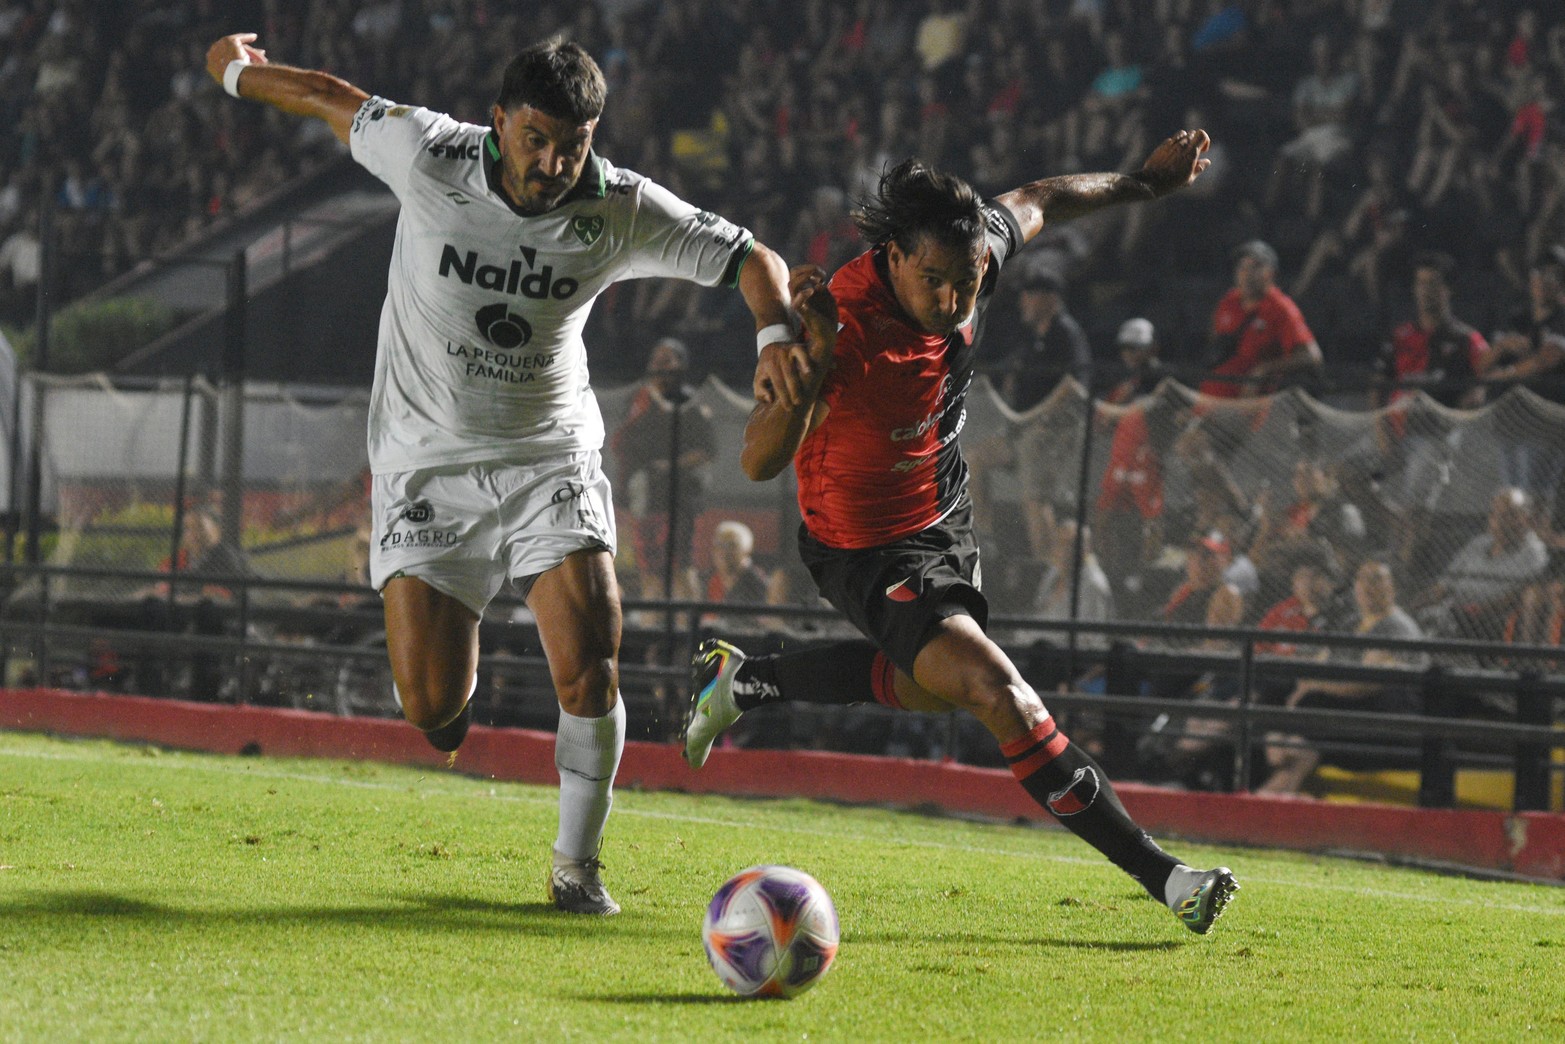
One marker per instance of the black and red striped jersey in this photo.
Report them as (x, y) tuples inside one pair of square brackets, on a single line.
[(885, 463)]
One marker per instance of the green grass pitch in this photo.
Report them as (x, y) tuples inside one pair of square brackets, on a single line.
[(155, 895)]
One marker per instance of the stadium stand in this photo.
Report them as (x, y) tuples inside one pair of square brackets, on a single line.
[(1394, 127)]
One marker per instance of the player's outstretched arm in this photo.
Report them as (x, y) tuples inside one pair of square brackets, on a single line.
[(776, 428), (1173, 165), (303, 92), (783, 366)]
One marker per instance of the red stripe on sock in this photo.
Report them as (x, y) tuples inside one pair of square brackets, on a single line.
[(1041, 745), (883, 682)]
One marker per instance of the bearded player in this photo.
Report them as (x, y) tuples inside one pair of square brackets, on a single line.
[(887, 524), (484, 435)]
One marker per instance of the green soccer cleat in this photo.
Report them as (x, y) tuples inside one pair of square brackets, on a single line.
[(712, 706), (575, 887), (1203, 902)]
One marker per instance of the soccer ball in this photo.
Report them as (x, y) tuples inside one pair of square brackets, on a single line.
[(770, 931)]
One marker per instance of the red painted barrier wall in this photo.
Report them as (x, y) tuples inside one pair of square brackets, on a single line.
[(1531, 843)]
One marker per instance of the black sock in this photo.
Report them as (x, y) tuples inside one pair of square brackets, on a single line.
[(1064, 779), (836, 674), (449, 736)]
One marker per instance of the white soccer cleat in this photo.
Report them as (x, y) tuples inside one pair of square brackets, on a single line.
[(1201, 897), (575, 887), (712, 707)]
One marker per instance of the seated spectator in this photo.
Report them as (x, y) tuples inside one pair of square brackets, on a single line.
[(1479, 588), (1539, 617), (194, 608), (1318, 516), (1259, 341), (1323, 104), (735, 577), (643, 448), (1307, 607), (1093, 597), (1206, 598), (1289, 759)]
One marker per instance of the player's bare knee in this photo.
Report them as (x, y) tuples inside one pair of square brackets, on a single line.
[(427, 707), (589, 693)]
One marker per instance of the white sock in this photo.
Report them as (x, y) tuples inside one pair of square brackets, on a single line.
[(1180, 880), (587, 752)]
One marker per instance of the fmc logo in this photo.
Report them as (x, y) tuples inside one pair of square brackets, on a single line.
[(453, 152), (510, 279)]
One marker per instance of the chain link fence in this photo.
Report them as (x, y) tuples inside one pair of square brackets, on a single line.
[(187, 508)]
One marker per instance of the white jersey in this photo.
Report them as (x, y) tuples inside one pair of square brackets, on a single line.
[(479, 355)]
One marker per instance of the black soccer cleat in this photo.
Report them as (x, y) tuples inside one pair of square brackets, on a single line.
[(448, 737)]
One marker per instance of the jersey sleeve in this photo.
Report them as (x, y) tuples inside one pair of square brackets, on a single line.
[(1294, 332), (673, 239), (1002, 232), (386, 138)]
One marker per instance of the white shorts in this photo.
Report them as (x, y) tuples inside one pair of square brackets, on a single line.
[(468, 528)]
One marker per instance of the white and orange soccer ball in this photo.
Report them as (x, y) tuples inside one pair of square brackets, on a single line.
[(770, 931)]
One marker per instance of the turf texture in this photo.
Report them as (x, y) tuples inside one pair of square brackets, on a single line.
[(156, 895)]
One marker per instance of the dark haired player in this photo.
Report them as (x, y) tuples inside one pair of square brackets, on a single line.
[(887, 532), (484, 435)]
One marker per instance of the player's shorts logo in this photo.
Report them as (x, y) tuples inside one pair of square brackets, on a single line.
[(502, 328), (418, 512), (901, 592), (587, 228)]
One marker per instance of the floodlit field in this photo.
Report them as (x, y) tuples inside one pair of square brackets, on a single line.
[(150, 895)]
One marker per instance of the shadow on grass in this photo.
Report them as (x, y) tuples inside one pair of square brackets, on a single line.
[(931, 939), (411, 911), (664, 998)]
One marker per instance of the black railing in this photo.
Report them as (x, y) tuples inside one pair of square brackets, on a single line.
[(252, 636)]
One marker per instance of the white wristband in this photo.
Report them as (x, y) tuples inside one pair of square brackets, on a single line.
[(772, 335), (231, 75)]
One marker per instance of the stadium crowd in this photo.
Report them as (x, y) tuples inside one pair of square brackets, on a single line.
[(1385, 162), (1349, 133)]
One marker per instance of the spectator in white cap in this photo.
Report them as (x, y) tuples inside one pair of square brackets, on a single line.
[(1141, 370)]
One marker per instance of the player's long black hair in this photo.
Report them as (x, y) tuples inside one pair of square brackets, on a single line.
[(556, 77), (914, 201)]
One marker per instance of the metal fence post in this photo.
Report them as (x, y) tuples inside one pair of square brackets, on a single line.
[(1436, 765), (46, 250), (1534, 706), (1246, 701), (1079, 552), (671, 530), (234, 330)]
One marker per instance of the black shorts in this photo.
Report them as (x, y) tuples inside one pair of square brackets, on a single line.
[(897, 593)]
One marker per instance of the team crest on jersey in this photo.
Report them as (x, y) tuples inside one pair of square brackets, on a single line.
[(588, 228)]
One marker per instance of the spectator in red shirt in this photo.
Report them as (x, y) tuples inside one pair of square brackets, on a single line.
[(1436, 353), (1259, 340), (1305, 608)]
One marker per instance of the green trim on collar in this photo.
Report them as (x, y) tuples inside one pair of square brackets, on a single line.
[(593, 183)]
